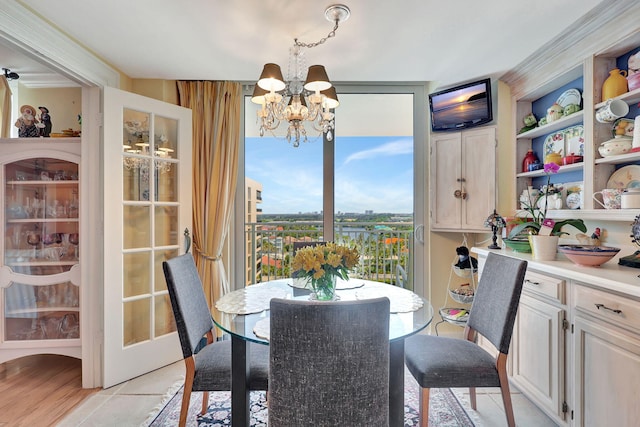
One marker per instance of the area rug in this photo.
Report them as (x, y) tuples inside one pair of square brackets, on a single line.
[(448, 408)]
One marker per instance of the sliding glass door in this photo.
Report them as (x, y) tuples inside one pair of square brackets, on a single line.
[(366, 187)]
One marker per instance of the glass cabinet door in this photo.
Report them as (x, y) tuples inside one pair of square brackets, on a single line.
[(41, 239)]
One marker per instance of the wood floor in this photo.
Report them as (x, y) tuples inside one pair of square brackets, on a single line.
[(39, 390)]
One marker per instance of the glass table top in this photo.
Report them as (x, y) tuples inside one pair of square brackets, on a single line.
[(410, 313)]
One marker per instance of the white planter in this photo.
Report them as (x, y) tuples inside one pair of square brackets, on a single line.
[(544, 248)]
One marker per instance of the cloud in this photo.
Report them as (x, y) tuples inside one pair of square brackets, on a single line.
[(392, 148)]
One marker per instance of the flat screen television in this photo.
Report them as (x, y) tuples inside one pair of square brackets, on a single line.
[(461, 107)]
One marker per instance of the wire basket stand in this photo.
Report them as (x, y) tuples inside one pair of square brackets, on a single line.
[(463, 295)]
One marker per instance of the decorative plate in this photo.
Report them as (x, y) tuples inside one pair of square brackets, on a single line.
[(571, 96), (574, 140), (625, 177), (623, 127), (573, 194), (554, 143)]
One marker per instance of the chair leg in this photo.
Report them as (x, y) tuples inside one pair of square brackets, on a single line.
[(186, 397), (205, 402), (424, 407), (501, 364), (186, 391), (472, 398)]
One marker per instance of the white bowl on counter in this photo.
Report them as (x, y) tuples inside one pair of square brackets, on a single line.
[(616, 146)]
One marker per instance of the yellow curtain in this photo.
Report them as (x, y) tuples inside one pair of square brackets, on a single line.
[(216, 134), (5, 108)]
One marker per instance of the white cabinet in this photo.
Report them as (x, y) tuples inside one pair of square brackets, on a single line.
[(463, 167), (40, 274), (575, 351), (538, 345), (607, 358)]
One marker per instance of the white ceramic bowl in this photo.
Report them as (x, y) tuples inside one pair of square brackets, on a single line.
[(589, 256), (616, 146)]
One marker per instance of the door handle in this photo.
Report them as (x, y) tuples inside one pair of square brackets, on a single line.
[(187, 240)]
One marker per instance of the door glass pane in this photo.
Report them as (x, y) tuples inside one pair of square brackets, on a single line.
[(166, 223), (160, 285), (136, 273), (374, 183), (164, 320), (137, 227), (137, 321)]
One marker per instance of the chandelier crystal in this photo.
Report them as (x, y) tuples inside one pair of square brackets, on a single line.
[(297, 99)]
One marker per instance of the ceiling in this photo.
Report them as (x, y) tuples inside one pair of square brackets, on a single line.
[(408, 40)]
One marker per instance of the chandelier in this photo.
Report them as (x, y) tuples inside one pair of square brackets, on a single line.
[(297, 100), (142, 149)]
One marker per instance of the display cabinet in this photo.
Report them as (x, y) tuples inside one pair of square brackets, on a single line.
[(597, 47), (39, 277)]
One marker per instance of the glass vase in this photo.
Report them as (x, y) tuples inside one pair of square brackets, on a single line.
[(324, 288)]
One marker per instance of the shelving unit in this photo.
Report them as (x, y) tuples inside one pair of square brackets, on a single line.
[(40, 286), (588, 75)]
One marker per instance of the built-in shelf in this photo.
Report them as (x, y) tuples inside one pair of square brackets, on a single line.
[(622, 158), (631, 97), (561, 123), (541, 172), (587, 214)]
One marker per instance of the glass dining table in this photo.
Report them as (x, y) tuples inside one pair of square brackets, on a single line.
[(244, 315)]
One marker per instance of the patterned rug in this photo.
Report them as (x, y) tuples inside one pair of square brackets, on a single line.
[(448, 408)]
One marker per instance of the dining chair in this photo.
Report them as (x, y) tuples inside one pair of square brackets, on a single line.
[(208, 362), (329, 363), (438, 362)]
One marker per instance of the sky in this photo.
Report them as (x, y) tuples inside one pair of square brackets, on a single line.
[(372, 173)]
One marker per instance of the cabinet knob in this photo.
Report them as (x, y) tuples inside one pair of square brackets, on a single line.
[(460, 194)]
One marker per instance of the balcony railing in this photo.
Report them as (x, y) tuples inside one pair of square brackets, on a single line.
[(383, 247)]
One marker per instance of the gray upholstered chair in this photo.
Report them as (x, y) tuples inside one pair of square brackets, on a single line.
[(438, 362), (329, 363), (208, 362)]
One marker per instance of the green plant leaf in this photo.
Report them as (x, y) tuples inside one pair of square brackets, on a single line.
[(521, 227)]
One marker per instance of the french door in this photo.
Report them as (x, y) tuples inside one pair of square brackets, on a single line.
[(147, 207)]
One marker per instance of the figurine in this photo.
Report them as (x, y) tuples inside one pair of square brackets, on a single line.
[(464, 260), (570, 109), (583, 239), (45, 119), (27, 124), (530, 122), (554, 112)]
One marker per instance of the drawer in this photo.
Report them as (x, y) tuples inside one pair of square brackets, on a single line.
[(617, 309), (551, 287)]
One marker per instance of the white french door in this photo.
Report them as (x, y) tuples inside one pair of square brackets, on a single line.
[(147, 207)]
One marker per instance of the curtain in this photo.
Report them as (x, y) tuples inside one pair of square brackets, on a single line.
[(216, 134), (5, 108)]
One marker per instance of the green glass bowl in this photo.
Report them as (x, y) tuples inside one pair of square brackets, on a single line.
[(518, 245)]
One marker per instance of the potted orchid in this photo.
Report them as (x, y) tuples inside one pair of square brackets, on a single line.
[(540, 225)]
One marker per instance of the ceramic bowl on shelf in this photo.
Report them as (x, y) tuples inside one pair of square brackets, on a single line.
[(518, 245), (616, 146), (589, 256)]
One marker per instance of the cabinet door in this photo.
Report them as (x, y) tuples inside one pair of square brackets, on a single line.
[(147, 206), (479, 171), (607, 374), (538, 354), (446, 173), (462, 184)]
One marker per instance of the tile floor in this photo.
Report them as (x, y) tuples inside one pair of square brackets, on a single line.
[(130, 403)]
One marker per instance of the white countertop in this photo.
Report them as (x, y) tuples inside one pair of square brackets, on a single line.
[(610, 276)]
